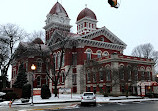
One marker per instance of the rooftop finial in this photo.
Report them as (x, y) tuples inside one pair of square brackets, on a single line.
[(86, 5)]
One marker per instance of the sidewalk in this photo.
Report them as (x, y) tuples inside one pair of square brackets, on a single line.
[(66, 98)]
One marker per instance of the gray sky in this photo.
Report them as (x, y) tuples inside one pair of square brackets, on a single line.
[(135, 22)]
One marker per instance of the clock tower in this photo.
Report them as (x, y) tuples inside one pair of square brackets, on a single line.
[(57, 19)]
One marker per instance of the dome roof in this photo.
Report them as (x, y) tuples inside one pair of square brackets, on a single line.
[(58, 8), (37, 41), (86, 13)]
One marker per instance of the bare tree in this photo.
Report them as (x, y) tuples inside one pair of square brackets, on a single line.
[(13, 35), (146, 51), (52, 70), (35, 34)]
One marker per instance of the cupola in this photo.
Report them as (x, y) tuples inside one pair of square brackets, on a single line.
[(86, 21)]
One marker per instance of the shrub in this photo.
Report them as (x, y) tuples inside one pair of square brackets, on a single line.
[(11, 96), (45, 92), (106, 94), (26, 91)]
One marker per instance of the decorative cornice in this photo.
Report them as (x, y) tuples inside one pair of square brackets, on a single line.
[(127, 61), (100, 44), (57, 25)]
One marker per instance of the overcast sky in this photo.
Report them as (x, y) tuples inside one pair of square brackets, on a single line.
[(135, 22)]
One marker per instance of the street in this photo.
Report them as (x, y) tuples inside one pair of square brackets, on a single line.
[(130, 106), (134, 106)]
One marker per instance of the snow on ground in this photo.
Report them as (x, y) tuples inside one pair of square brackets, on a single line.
[(77, 97)]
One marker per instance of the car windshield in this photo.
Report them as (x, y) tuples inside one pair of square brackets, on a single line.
[(88, 94)]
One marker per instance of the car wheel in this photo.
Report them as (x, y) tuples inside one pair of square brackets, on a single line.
[(82, 104)]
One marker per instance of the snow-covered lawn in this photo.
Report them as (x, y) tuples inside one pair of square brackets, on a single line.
[(77, 97)]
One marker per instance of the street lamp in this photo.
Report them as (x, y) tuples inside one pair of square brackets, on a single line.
[(33, 68)]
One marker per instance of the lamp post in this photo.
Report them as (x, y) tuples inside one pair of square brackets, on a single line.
[(33, 68)]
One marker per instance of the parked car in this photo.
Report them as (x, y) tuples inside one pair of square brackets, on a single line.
[(88, 98)]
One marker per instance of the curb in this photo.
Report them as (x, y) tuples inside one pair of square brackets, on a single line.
[(48, 102)]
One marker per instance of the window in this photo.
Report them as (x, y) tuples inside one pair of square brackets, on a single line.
[(58, 59), (89, 53), (63, 60), (121, 72), (54, 59), (102, 39), (94, 75), (88, 75), (74, 58), (129, 72), (39, 65), (63, 77), (105, 54), (148, 75), (38, 81), (135, 73), (74, 78), (108, 73), (101, 75), (99, 54), (142, 73)]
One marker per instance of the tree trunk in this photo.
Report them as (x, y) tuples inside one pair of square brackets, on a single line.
[(55, 90)]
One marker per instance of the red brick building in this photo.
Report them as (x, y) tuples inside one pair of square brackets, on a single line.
[(91, 43)]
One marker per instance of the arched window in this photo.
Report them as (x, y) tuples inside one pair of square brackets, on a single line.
[(101, 75), (58, 60), (63, 77), (129, 72), (135, 74), (89, 54), (99, 54), (39, 65), (63, 60), (148, 74), (94, 75), (142, 73), (121, 72), (108, 73), (55, 60), (38, 81), (105, 54)]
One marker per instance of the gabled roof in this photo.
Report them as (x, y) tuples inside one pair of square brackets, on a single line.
[(60, 35), (107, 33)]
